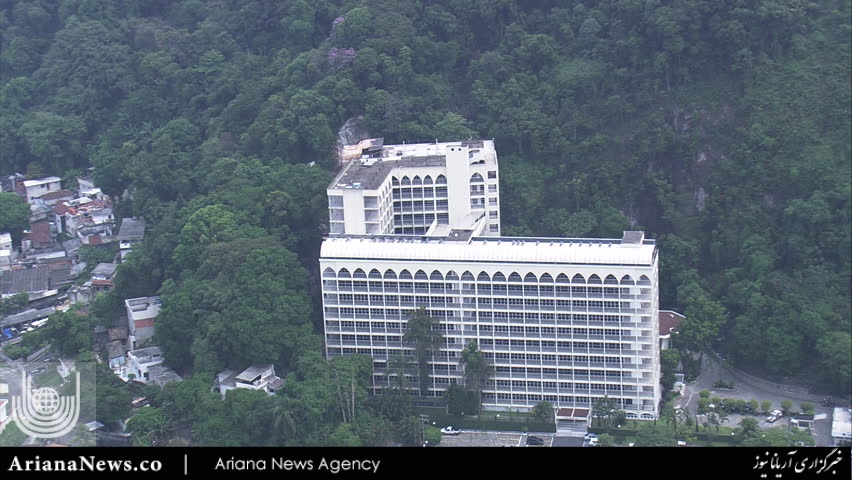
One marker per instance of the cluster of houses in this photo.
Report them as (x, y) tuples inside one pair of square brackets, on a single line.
[(46, 265)]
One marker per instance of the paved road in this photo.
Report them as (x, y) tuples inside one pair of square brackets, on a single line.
[(745, 388)]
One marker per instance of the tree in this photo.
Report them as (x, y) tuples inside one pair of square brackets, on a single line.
[(399, 367), (14, 215), (150, 427), (81, 436), (426, 339), (543, 411), (766, 406), (604, 410), (477, 369)]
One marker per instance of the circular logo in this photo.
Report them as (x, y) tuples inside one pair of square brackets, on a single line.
[(45, 400)]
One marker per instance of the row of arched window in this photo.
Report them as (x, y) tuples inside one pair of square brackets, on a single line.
[(467, 276), (416, 180)]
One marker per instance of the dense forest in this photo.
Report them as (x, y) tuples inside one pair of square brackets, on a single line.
[(720, 127)]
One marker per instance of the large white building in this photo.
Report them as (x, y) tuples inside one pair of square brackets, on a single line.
[(563, 320)]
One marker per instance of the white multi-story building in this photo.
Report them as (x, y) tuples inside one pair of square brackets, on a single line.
[(564, 320), (406, 189)]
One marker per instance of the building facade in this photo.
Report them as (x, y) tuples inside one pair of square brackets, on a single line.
[(564, 320), (405, 189)]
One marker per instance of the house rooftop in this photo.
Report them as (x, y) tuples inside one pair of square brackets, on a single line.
[(21, 280), (105, 269), (57, 195), (39, 232), (41, 181), (147, 354), (669, 321), (253, 372), (132, 229)]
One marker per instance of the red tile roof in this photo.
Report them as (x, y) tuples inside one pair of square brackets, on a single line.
[(39, 233), (57, 195), (670, 321), (95, 240)]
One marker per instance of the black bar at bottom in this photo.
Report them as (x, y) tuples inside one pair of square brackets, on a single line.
[(275, 462)]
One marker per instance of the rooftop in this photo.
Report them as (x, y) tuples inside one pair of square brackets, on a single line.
[(253, 372), (369, 162), (41, 181), (30, 280), (841, 426), (105, 269), (131, 229), (27, 316), (147, 355), (670, 321), (582, 251), (369, 175), (57, 195)]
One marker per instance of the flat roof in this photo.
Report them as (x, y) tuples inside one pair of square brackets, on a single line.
[(371, 175), (41, 181), (104, 269), (370, 162), (253, 371), (131, 229), (582, 251)]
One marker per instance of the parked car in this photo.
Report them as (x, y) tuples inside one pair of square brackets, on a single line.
[(533, 440), (450, 431), (590, 436), (774, 415)]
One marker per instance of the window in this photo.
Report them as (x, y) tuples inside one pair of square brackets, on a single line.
[(492, 214), (492, 188), (492, 201), (493, 228), (492, 174)]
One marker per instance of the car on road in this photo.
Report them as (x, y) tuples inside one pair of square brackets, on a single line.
[(590, 436), (533, 440), (450, 431)]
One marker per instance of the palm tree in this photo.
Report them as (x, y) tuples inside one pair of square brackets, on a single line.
[(426, 340), (399, 366), (83, 437), (477, 370)]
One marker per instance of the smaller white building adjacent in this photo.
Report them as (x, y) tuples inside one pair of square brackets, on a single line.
[(140, 361), (41, 186), (141, 314), (260, 376)]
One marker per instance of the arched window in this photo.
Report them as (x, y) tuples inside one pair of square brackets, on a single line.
[(417, 180), (436, 276), (594, 279), (468, 277), (427, 180), (577, 279), (394, 181), (390, 274), (328, 273), (375, 274), (530, 278), (498, 277), (546, 278), (483, 277), (476, 178), (405, 275), (514, 277), (626, 280), (343, 273), (611, 280), (441, 180), (643, 280), (406, 181), (359, 274), (452, 276), (420, 275)]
